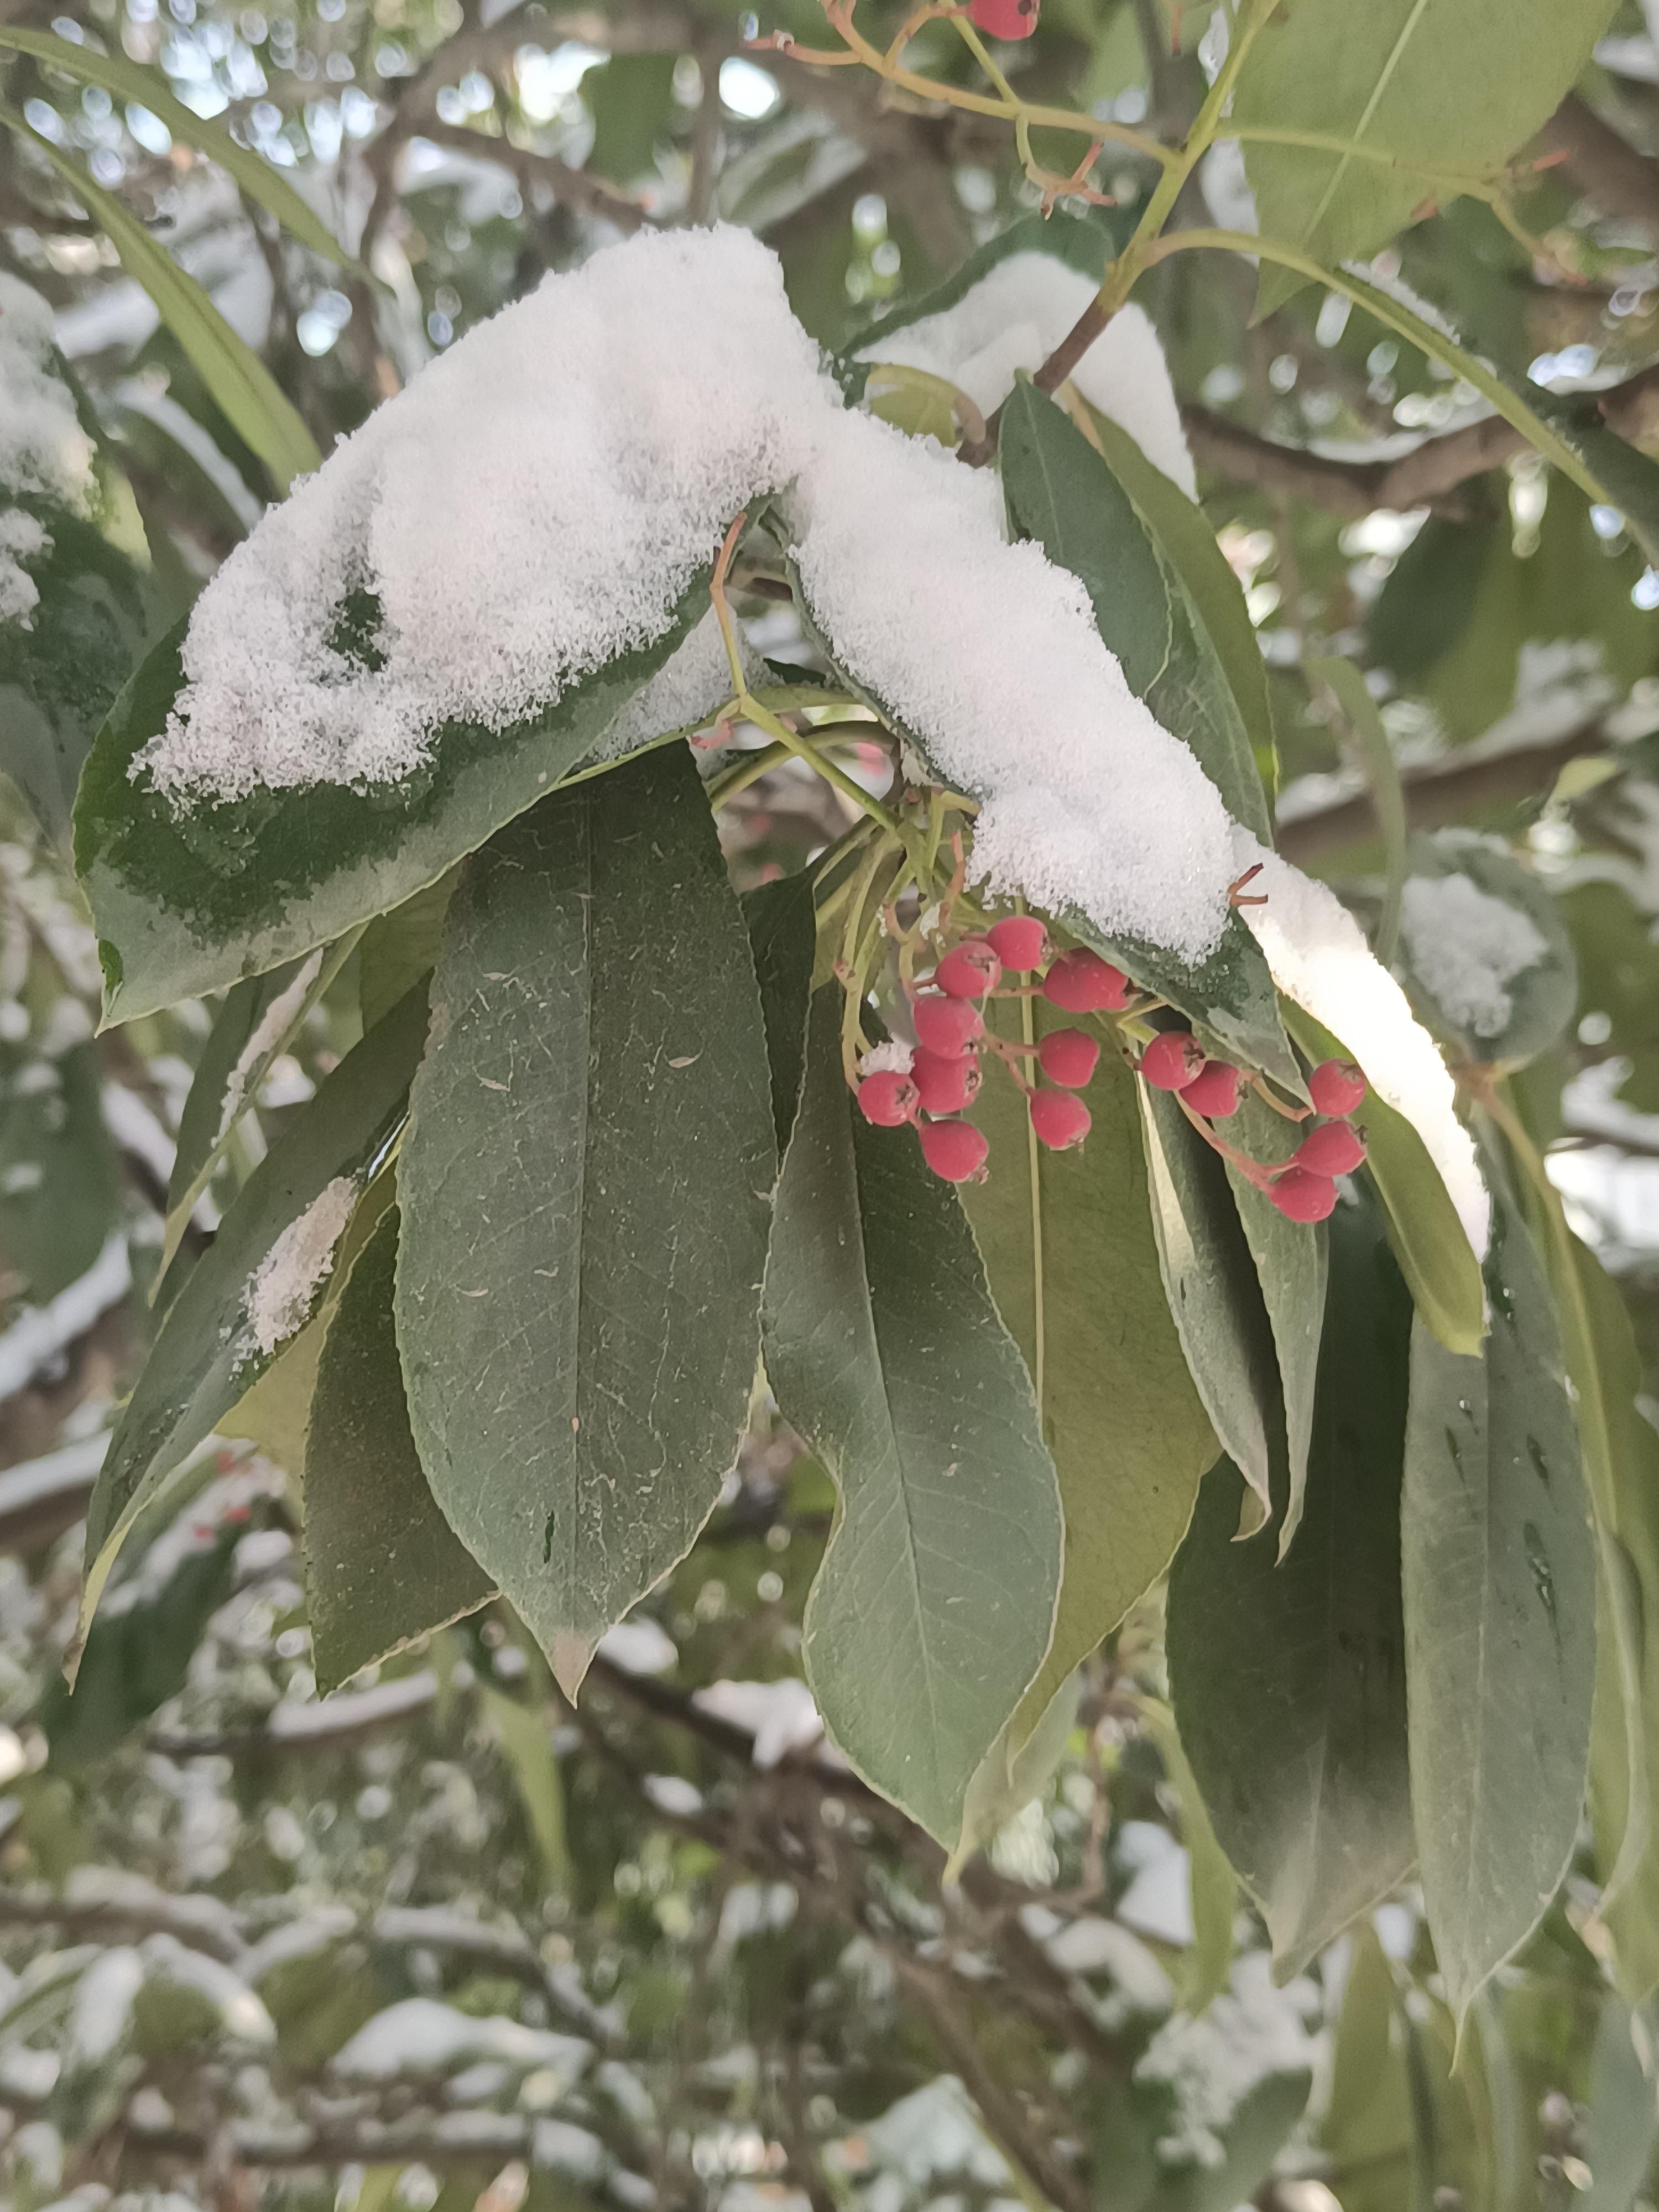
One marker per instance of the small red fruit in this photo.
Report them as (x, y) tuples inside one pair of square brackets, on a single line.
[(1005, 19), (1300, 1196), (945, 1086), (1059, 1118), (1215, 1094), (1173, 1060), (887, 1098), (946, 1026), (1336, 1087), (1335, 1148), (970, 970), (1082, 982), (1020, 943), (954, 1149), (1068, 1056)]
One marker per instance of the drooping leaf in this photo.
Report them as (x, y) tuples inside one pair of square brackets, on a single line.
[(935, 1603), (1288, 1679), (241, 384), (1366, 2131), (1214, 1296), (783, 936), (522, 1731), (1623, 2124), (1500, 1582), (1509, 1016), (60, 1182), (1213, 1884), (1389, 84), (1073, 1267), (585, 1188), (383, 1566), (148, 87), (397, 949), (1430, 1242), (207, 1354), (1061, 493), (190, 901), (1382, 772), (1290, 1269)]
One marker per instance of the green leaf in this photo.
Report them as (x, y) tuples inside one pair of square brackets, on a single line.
[(783, 936), (1390, 83), (1073, 1267), (1288, 1681), (190, 901), (397, 949), (1367, 2130), (1250, 2138), (1430, 1242), (527, 1746), (1382, 774), (205, 1357), (253, 400), (383, 1567), (148, 87), (1291, 1267), (1542, 997), (1181, 532), (1062, 493), (584, 1187), (256, 1023), (1214, 1885), (1211, 1287), (1623, 2124), (1499, 1580), (631, 100), (935, 1605), (60, 1181)]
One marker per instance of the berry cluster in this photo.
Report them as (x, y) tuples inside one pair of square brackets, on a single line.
[(933, 1083)]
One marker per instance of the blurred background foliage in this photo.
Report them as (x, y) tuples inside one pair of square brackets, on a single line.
[(440, 1939)]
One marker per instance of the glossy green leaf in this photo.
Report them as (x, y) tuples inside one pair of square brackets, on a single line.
[(585, 1186), (397, 949), (1073, 1267), (935, 1605), (1063, 494), (1288, 1681), (148, 87), (205, 1357), (1390, 84), (1211, 1287), (1430, 1242), (60, 1181), (253, 400), (1291, 1268), (783, 936), (1214, 1885), (192, 901), (1499, 1580), (383, 1567), (1540, 998), (1622, 2127)]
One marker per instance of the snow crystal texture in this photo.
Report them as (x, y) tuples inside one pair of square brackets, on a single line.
[(44, 452), (298, 1264), (1466, 948)]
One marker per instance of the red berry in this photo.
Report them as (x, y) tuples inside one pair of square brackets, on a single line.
[(969, 971), (945, 1086), (946, 1026), (1335, 1148), (1068, 1056), (1059, 1118), (1020, 943), (887, 1098), (954, 1149), (1215, 1094), (1336, 1087), (1082, 982), (1005, 19), (1300, 1196), (1173, 1060)]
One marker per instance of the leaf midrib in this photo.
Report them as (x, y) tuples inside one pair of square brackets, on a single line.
[(1367, 117)]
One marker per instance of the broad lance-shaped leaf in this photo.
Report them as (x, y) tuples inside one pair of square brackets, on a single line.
[(383, 1566), (1387, 87), (783, 937), (1499, 1580), (259, 1281), (935, 1603), (1288, 1681), (191, 900), (1069, 1252), (1291, 1268), (1214, 1296), (586, 1185)]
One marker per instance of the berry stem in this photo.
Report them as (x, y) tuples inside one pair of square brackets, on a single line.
[(1268, 1096), (1253, 1171)]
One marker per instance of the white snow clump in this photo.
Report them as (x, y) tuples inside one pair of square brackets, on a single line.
[(1466, 947), (301, 1260), (43, 449)]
